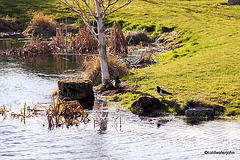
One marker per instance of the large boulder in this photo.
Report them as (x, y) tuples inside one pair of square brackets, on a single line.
[(147, 106), (81, 90)]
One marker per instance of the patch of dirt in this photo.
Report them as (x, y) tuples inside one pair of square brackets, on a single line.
[(124, 88)]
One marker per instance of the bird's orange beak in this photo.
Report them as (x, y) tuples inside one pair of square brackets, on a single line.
[(155, 89)]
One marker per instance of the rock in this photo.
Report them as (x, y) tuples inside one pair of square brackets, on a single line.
[(197, 114), (77, 90), (147, 106), (200, 112)]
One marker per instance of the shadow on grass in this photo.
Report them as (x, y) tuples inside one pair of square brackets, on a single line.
[(141, 93)]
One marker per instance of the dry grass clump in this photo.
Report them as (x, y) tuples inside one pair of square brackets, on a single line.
[(146, 58), (134, 37), (9, 25), (169, 41), (115, 67), (41, 25)]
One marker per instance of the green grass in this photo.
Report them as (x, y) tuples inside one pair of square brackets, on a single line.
[(23, 10), (206, 67)]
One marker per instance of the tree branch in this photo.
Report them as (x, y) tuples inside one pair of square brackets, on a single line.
[(89, 8), (109, 4), (127, 3), (83, 18)]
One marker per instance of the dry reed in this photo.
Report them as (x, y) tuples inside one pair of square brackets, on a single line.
[(66, 112), (117, 40)]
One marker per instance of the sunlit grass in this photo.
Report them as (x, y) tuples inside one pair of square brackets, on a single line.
[(207, 66)]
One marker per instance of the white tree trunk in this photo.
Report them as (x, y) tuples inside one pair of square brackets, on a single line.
[(102, 46)]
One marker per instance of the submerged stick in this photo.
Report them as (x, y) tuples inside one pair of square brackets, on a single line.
[(24, 113)]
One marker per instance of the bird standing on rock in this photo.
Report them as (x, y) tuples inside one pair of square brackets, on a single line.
[(162, 92), (117, 82)]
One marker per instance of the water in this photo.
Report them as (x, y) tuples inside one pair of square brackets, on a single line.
[(127, 136)]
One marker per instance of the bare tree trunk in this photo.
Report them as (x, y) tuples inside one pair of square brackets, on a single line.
[(233, 2), (102, 11), (102, 47)]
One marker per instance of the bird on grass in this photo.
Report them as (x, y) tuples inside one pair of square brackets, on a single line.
[(117, 82), (162, 92)]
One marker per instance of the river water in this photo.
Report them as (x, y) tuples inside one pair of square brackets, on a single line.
[(125, 136)]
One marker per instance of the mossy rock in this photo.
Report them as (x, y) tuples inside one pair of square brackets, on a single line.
[(147, 106)]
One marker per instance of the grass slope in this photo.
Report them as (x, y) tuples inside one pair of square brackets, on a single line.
[(207, 67)]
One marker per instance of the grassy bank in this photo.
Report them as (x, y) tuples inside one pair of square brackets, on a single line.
[(206, 68)]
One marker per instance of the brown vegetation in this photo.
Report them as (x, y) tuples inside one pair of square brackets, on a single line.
[(83, 42), (134, 37), (41, 25), (117, 40), (37, 46), (66, 112), (115, 66), (146, 58)]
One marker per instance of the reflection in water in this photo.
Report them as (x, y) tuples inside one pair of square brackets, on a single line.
[(55, 63), (10, 43), (101, 117)]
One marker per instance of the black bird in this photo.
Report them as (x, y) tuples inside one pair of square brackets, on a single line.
[(162, 92), (116, 82)]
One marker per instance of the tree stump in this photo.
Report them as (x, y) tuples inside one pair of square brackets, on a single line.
[(80, 90)]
